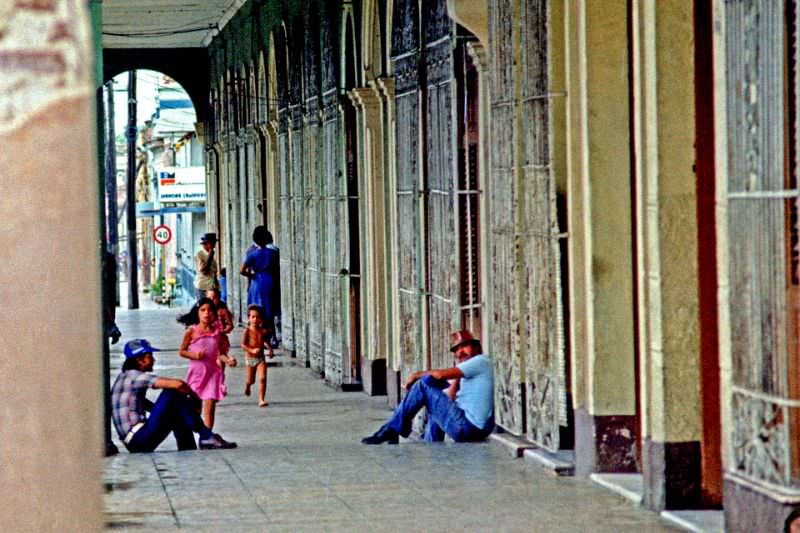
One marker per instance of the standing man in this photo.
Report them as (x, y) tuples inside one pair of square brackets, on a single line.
[(176, 411), (205, 262), (460, 399)]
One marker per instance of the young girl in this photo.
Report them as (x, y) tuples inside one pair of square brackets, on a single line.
[(202, 345), (224, 321), (224, 315), (254, 340)]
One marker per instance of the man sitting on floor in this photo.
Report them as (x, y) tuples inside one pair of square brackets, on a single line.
[(176, 410), (463, 410)]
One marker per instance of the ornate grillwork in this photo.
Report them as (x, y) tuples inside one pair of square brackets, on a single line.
[(504, 323), (762, 200), (406, 57), (285, 230), (761, 439), (333, 242), (313, 222), (527, 332), (427, 260), (440, 204)]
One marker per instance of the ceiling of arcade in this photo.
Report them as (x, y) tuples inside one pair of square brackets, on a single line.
[(193, 23), (164, 23)]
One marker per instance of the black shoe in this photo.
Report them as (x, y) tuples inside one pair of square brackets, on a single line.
[(216, 443), (384, 434), (115, 334)]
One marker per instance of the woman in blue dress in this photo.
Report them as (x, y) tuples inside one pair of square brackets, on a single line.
[(261, 266)]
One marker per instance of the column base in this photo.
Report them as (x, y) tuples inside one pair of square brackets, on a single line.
[(393, 388), (373, 376), (350, 387), (604, 443), (672, 475)]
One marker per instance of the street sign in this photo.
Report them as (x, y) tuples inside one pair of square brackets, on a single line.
[(162, 234)]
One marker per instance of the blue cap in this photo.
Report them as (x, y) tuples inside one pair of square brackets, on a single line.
[(138, 347)]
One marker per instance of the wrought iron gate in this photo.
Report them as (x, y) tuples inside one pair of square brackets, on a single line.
[(332, 213), (298, 178), (527, 326), (440, 206), (761, 88), (285, 217), (312, 207), (410, 263)]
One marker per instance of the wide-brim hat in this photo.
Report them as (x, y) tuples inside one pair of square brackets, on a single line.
[(208, 237), (138, 347), (457, 338)]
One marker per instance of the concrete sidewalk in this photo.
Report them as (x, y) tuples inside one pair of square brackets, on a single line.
[(300, 467)]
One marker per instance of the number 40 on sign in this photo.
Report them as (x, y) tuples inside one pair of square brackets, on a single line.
[(162, 234)]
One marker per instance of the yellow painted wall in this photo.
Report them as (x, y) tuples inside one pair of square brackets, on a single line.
[(665, 134), (598, 184)]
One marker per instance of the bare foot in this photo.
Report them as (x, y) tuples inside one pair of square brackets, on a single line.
[(247, 389), (263, 404)]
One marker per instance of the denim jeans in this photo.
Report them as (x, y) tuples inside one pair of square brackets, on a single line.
[(444, 416), (175, 413)]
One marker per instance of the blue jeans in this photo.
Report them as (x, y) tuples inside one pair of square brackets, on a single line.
[(175, 413), (444, 416)]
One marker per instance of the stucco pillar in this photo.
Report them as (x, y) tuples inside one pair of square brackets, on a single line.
[(478, 53), (368, 107), (50, 280), (384, 89), (599, 222), (665, 181)]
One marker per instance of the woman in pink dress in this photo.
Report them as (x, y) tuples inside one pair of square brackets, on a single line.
[(204, 345)]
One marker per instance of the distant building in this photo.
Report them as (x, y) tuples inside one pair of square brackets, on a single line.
[(178, 193)]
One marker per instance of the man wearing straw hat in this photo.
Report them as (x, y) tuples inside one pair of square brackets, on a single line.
[(205, 262), (459, 399)]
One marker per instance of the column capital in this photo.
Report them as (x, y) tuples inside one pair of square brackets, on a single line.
[(364, 97), (383, 87)]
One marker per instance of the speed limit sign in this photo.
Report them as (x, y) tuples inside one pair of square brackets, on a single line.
[(162, 234)]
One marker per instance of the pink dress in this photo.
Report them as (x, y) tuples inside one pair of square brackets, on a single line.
[(205, 377)]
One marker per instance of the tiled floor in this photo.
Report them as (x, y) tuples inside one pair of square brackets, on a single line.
[(300, 467)]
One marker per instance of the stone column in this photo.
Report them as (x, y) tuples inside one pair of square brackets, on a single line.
[(664, 129), (384, 89), (600, 243), (477, 52), (50, 281), (370, 107)]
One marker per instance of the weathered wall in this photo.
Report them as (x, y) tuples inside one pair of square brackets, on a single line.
[(50, 442)]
